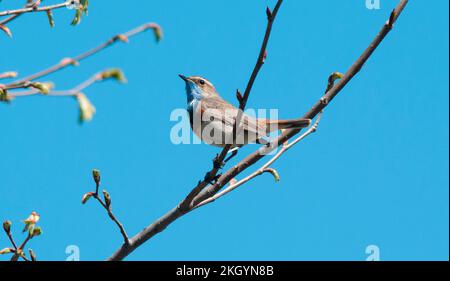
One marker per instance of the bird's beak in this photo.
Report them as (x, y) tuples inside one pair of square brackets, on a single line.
[(183, 77)]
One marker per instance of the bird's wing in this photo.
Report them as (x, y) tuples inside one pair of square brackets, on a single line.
[(218, 109)]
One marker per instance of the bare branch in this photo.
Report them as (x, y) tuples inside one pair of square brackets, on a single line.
[(113, 218), (316, 109), (160, 224), (98, 77), (65, 62), (36, 9)]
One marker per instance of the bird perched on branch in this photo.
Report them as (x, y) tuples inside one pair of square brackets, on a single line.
[(213, 119)]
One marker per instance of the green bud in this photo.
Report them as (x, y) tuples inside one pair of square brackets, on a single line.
[(43, 88), (96, 176), (107, 198), (274, 173), (87, 110), (36, 231), (158, 33), (114, 73), (51, 21)]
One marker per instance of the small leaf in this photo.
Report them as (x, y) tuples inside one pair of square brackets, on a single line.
[(81, 9), (336, 75), (87, 110), (9, 74), (43, 88), (32, 218), (29, 227), (77, 18), (51, 21), (30, 222), (158, 33), (85, 4), (332, 78), (4, 97)]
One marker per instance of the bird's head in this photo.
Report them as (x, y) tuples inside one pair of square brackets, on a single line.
[(198, 88)]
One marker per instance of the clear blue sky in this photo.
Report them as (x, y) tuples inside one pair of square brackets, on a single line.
[(375, 173)]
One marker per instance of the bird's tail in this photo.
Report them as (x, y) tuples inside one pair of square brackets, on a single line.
[(288, 124)]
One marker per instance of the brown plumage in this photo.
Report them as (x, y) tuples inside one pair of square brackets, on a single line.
[(213, 118)]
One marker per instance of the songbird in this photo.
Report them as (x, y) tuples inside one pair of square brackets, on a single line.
[(212, 118)]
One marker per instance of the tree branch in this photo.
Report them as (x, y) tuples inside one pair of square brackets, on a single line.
[(113, 218), (65, 62), (160, 224), (106, 204), (264, 168), (36, 9), (316, 109), (11, 18), (98, 77)]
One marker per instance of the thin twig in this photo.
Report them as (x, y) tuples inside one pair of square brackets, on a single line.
[(11, 239), (72, 92), (113, 218), (75, 60), (35, 9), (30, 3), (316, 109), (160, 224), (16, 255)]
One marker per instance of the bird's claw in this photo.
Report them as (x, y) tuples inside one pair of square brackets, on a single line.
[(211, 180)]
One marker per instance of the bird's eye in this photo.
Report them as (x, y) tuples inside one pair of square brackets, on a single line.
[(202, 82)]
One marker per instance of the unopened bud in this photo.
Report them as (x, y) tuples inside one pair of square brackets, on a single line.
[(86, 197), (96, 176), (36, 231), (7, 226), (107, 198)]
